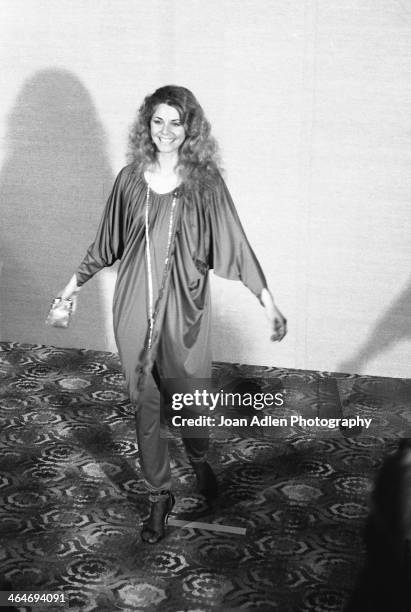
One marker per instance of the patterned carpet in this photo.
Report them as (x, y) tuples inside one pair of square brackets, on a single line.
[(72, 495)]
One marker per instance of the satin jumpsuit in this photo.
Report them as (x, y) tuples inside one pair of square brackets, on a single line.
[(207, 234)]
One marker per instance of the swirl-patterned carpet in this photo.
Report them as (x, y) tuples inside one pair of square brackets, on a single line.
[(72, 495)]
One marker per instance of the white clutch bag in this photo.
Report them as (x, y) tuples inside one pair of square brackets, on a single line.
[(60, 312)]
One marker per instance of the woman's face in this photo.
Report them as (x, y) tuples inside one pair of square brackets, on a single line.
[(166, 129)]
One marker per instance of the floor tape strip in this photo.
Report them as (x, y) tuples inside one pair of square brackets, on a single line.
[(209, 526)]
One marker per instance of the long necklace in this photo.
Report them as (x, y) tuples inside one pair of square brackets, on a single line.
[(148, 259)]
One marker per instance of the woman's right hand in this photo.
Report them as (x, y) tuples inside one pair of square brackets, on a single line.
[(70, 291)]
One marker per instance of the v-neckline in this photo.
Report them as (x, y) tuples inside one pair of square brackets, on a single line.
[(157, 192)]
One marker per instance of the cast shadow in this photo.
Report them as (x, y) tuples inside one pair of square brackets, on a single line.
[(53, 187), (393, 327)]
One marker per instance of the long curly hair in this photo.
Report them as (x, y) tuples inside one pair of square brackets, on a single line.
[(198, 156)]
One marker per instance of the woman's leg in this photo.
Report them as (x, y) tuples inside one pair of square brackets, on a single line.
[(154, 461), (195, 438), (152, 439)]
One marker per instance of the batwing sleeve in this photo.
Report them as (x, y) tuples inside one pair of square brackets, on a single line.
[(108, 245), (231, 255)]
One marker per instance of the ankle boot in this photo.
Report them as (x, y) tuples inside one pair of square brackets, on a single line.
[(207, 483), (154, 527)]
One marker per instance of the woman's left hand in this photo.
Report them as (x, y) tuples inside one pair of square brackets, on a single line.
[(278, 323)]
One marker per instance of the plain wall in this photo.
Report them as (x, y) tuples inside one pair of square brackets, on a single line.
[(310, 103)]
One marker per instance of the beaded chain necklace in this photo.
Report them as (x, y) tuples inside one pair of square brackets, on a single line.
[(148, 259)]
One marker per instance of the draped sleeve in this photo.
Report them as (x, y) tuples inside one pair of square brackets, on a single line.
[(109, 242), (231, 255)]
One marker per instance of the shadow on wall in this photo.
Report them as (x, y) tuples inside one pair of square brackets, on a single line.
[(393, 327), (53, 187)]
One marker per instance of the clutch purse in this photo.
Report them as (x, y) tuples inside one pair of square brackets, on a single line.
[(60, 312)]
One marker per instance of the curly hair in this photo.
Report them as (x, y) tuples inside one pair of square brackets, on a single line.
[(198, 157)]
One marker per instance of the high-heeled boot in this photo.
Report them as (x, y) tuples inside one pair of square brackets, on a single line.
[(207, 483), (154, 527)]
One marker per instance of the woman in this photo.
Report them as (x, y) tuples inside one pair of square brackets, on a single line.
[(169, 218)]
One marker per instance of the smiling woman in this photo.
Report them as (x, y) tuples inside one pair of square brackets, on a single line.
[(169, 219)]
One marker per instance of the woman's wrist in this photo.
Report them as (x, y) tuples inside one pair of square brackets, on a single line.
[(267, 301), (71, 289), (76, 287)]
